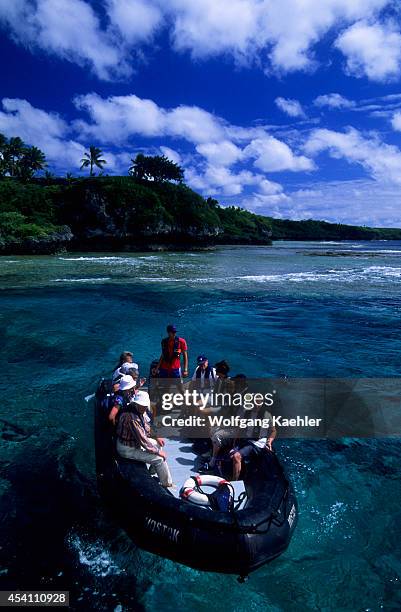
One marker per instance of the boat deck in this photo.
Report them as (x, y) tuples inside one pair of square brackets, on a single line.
[(184, 462)]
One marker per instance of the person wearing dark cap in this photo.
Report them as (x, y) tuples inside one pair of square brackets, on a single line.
[(204, 375), (173, 348)]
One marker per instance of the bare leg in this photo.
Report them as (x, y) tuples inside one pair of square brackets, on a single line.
[(237, 459), (216, 449)]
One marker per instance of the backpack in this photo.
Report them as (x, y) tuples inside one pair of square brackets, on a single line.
[(176, 349), (222, 498)]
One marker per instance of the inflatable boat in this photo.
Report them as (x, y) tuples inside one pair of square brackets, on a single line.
[(181, 524)]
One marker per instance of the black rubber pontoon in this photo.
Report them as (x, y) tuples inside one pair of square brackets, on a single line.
[(230, 542)]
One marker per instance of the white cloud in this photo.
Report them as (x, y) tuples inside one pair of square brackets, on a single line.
[(275, 36), (382, 161), (219, 180), (333, 100), (262, 204), (118, 120), (171, 154), (292, 108), (273, 155), (224, 152), (396, 121), (48, 131), (212, 27), (51, 134), (356, 202), (250, 30), (372, 50), (352, 202), (71, 30), (136, 20), (119, 117)]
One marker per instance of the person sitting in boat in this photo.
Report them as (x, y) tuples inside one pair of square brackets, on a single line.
[(134, 373), (223, 382), (173, 348), (223, 385), (262, 439), (204, 375), (153, 387), (125, 362), (123, 396), (134, 439)]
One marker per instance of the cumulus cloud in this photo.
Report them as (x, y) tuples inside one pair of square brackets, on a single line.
[(273, 155), (71, 30), (118, 117), (292, 108), (212, 27), (396, 121), (225, 159), (382, 161), (372, 50), (354, 202), (220, 180), (333, 100), (171, 154), (48, 131), (275, 36), (225, 152), (51, 133), (136, 20), (251, 29)]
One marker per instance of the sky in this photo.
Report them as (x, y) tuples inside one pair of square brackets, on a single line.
[(288, 108)]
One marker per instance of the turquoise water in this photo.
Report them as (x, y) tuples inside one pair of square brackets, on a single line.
[(301, 309)]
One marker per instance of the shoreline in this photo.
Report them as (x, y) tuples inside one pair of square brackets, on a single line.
[(47, 247)]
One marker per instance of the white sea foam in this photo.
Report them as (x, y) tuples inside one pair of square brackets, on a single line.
[(376, 273), (88, 258), (159, 279), (110, 259), (81, 280), (94, 556)]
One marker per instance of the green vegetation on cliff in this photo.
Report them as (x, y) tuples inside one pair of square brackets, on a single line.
[(149, 208), (116, 212), (119, 212)]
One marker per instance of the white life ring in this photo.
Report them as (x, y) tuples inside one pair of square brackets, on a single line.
[(189, 493)]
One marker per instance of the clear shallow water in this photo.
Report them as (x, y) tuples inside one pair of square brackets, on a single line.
[(306, 309)]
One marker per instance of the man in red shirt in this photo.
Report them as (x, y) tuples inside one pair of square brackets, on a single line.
[(173, 348)]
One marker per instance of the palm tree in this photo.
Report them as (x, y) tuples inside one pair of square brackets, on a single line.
[(3, 141), (92, 159), (31, 161), (36, 159), (3, 147), (13, 153)]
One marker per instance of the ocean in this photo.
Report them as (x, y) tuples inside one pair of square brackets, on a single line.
[(297, 309)]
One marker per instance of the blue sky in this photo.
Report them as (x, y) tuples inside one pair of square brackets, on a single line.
[(290, 108)]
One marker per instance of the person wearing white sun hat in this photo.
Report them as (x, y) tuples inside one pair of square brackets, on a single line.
[(134, 439), (123, 396)]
